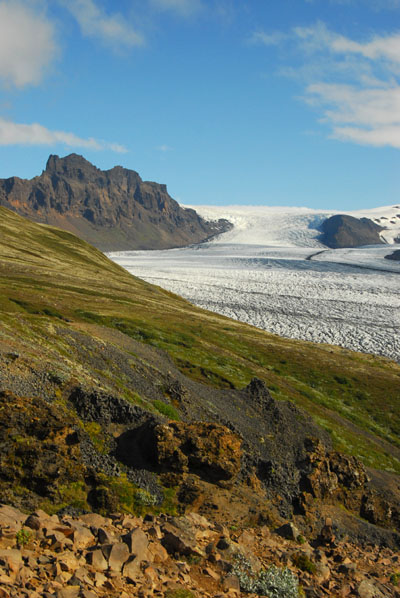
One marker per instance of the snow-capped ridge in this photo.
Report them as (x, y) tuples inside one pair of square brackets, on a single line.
[(283, 226)]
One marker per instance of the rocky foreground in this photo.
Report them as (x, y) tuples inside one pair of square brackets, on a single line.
[(182, 557)]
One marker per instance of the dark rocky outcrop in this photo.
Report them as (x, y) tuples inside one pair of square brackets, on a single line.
[(99, 407), (394, 256), (39, 450), (209, 450), (346, 231), (112, 209)]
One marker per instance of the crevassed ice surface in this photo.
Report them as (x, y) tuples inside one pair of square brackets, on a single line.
[(271, 271)]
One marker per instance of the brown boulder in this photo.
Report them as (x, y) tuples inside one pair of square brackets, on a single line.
[(209, 450), (11, 518), (368, 590), (116, 554), (97, 560), (333, 473), (131, 568), (137, 542), (179, 538)]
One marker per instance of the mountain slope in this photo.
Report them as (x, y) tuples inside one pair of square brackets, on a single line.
[(112, 209), (93, 361)]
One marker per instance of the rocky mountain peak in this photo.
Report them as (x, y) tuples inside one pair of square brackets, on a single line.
[(111, 209), (71, 165)]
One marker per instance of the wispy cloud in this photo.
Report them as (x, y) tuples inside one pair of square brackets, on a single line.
[(364, 107), (371, 115), (164, 148), (27, 44), (35, 134), (111, 29), (377, 137), (352, 83), (184, 8), (319, 37), (267, 39)]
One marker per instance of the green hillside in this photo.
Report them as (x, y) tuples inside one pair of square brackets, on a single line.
[(54, 286)]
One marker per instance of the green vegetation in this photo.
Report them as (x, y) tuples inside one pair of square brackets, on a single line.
[(301, 561), (395, 579), (179, 593), (272, 582), (355, 397), (72, 495), (142, 500), (300, 539), (115, 492), (120, 494), (167, 410), (23, 537), (97, 436), (37, 310), (170, 502)]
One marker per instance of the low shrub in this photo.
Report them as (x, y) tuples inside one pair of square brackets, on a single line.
[(272, 582), (23, 536), (301, 561), (395, 578), (179, 594)]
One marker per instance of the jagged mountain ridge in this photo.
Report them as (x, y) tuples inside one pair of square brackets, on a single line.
[(112, 209)]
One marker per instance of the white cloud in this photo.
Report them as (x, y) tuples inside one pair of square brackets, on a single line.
[(95, 22), (374, 113), (35, 134), (267, 39), (182, 7), (362, 104), (378, 137), (319, 37), (353, 84), (363, 107), (27, 45)]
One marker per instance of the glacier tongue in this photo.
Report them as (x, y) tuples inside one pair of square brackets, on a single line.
[(294, 292), (271, 271)]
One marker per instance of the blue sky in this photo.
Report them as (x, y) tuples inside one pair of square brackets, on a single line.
[(280, 102)]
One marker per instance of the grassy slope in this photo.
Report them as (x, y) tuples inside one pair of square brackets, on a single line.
[(48, 275)]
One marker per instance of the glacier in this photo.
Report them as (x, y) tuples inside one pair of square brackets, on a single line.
[(271, 271)]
